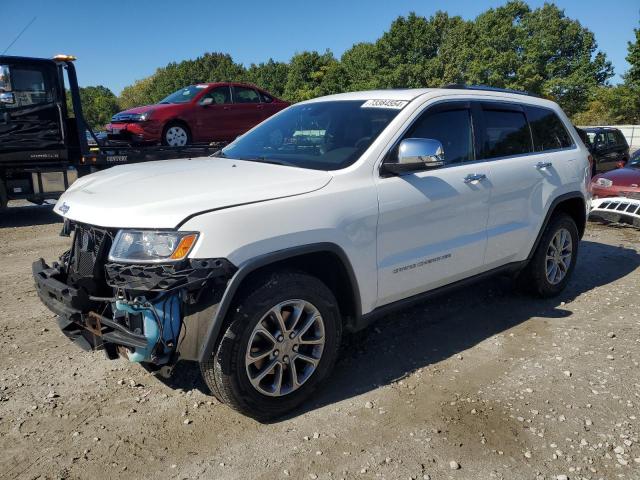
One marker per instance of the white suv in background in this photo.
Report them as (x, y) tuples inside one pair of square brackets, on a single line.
[(321, 219)]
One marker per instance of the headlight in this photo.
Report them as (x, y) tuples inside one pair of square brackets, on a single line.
[(604, 182), (148, 246), (141, 117)]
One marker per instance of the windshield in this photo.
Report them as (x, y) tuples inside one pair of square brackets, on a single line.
[(184, 95), (322, 136), (634, 161)]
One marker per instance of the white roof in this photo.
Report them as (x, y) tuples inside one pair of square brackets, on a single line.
[(409, 94), (391, 94)]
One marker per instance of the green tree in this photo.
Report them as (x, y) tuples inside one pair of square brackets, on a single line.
[(98, 105), (632, 77), (541, 51), (513, 46), (619, 104), (611, 106), (307, 71), (210, 67), (137, 94), (360, 66), (272, 76), (408, 54)]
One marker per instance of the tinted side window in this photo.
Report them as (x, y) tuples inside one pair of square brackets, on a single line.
[(611, 138), (452, 128), (245, 95), (266, 98), (220, 95), (506, 133), (547, 129), (620, 138)]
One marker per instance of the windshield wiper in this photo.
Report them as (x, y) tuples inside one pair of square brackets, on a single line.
[(267, 160)]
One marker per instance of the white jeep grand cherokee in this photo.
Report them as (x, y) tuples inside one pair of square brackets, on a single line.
[(324, 217)]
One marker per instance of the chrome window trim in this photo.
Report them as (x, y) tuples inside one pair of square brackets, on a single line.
[(573, 146), (413, 121)]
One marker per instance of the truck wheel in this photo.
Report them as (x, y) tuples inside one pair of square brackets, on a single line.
[(176, 135), (552, 264), (281, 341)]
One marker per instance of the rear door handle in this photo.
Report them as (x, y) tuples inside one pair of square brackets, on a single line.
[(474, 177), (543, 165)]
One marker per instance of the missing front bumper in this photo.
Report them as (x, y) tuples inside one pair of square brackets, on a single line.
[(102, 323), (76, 319)]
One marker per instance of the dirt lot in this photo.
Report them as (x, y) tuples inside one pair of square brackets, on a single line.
[(501, 384)]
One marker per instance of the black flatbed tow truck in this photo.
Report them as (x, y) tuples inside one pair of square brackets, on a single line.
[(43, 147)]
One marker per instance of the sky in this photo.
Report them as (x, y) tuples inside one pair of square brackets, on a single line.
[(118, 41)]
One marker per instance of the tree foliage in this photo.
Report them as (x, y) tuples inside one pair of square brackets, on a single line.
[(272, 76), (632, 77), (98, 105), (512, 46), (211, 67), (618, 104)]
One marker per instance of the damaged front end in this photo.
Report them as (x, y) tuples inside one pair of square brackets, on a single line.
[(137, 311)]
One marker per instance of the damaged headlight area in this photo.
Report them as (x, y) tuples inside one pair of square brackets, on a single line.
[(151, 246), (130, 292)]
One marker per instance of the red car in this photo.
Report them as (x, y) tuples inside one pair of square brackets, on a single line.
[(205, 112), (622, 182)]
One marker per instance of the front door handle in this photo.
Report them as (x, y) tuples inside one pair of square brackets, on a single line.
[(474, 177), (543, 165)]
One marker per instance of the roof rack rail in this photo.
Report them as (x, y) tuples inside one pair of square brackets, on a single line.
[(487, 88)]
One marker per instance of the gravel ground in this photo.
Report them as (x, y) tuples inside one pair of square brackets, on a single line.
[(483, 383)]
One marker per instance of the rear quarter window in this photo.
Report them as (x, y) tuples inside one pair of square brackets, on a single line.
[(547, 130)]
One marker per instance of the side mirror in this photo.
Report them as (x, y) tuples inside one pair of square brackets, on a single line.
[(206, 101), (7, 98), (415, 154)]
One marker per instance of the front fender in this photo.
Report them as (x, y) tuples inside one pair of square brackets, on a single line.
[(204, 322)]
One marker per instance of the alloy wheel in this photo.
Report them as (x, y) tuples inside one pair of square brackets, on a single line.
[(559, 255), (285, 348)]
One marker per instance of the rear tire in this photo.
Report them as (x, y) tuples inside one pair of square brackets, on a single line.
[(234, 375), (552, 264), (176, 134)]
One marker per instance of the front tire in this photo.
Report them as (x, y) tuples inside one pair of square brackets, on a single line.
[(281, 341), (176, 135), (552, 264)]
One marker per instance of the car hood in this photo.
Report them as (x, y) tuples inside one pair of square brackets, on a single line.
[(623, 177), (162, 194), (146, 108)]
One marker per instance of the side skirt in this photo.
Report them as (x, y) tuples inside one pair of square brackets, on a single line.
[(368, 318)]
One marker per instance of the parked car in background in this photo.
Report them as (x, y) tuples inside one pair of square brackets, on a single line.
[(207, 112), (100, 136), (622, 182), (608, 147)]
